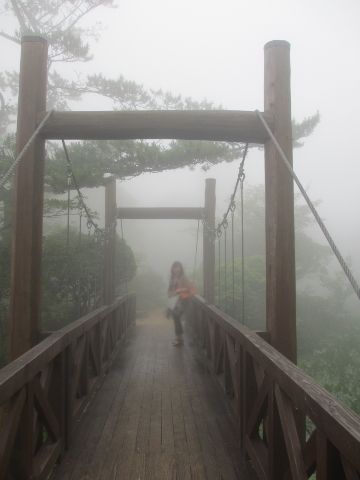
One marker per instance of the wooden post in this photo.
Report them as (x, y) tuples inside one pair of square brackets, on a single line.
[(25, 294), (279, 209), (209, 240), (110, 241)]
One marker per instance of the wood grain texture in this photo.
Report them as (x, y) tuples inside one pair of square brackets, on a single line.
[(44, 391), (219, 125), (166, 213), (25, 289), (158, 416), (279, 204), (337, 427)]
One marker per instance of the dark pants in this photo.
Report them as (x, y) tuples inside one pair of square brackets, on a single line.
[(177, 322), (177, 313)]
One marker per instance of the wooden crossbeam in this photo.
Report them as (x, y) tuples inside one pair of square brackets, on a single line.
[(166, 213), (219, 125)]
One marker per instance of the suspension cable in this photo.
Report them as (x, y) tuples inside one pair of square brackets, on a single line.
[(233, 257), (90, 220), (219, 233), (222, 227), (125, 257), (25, 148), (196, 249), (242, 250), (320, 222), (241, 175), (69, 176), (225, 266)]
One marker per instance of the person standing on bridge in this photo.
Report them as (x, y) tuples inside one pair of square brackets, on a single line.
[(179, 291)]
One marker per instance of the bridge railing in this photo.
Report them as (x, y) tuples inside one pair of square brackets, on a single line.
[(44, 391), (288, 426)]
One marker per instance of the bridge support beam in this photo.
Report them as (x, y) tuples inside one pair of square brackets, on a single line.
[(110, 241), (279, 209), (25, 295), (209, 241), (280, 244)]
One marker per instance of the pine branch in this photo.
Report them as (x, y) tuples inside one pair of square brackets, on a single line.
[(10, 37)]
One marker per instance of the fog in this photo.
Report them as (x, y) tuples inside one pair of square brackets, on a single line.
[(204, 49)]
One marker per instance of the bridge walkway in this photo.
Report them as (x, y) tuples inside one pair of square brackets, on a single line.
[(158, 415)]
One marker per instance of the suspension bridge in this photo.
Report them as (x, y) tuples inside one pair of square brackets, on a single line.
[(107, 397)]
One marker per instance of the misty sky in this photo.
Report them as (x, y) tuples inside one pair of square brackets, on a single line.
[(214, 50)]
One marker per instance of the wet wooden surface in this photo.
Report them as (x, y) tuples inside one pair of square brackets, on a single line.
[(158, 415)]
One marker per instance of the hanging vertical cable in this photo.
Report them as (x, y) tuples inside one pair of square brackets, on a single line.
[(233, 257), (125, 257), (242, 249), (219, 233), (69, 176), (222, 227), (225, 267), (80, 225), (196, 249)]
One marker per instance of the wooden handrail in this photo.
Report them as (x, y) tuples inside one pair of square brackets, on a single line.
[(260, 383), (47, 387)]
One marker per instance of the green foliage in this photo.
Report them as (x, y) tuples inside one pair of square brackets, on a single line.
[(328, 335), (255, 285), (72, 275), (310, 255), (72, 278), (91, 159), (304, 128), (334, 361)]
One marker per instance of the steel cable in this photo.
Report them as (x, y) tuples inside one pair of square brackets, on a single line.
[(219, 271), (320, 222), (233, 259), (225, 268), (242, 251), (25, 148), (196, 249)]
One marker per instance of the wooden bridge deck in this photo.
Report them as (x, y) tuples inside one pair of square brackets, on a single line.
[(157, 415)]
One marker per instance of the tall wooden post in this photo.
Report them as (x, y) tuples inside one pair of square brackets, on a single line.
[(209, 240), (280, 245), (25, 295), (110, 241), (279, 194)]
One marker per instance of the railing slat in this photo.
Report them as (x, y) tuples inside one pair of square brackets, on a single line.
[(338, 427), (42, 391)]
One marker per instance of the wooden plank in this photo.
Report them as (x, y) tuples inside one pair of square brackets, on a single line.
[(22, 370), (256, 414), (25, 294), (45, 460), (279, 201), (259, 458), (166, 386), (45, 411), (292, 442), (349, 470), (340, 424), (9, 427), (24, 445), (217, 125), (162, 213), (328, 460)]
